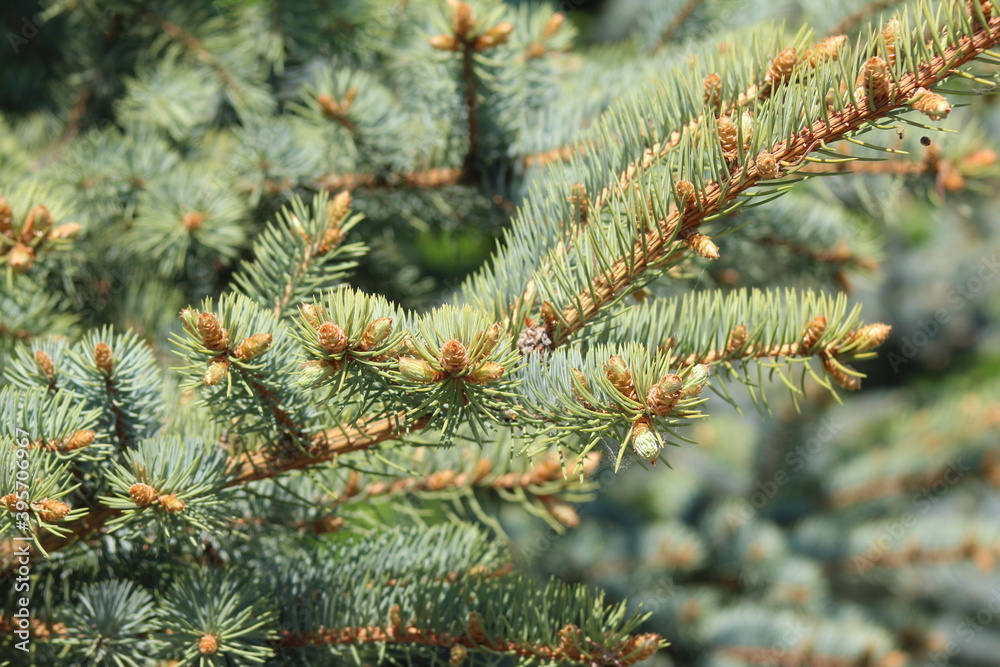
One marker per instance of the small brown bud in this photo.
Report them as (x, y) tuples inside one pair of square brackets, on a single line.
[(486, 341), (495, 36), (331, 239), (644, 441), (375, 333), (171, 503), (582, 380), (10, 502), (189, 319), (213, 336), (20, 258), (332, 338), (620, 376), (309, 314), (767, 166), (50, 510), (702, 245), (686, 193), (839, 372), (36, 223), (781, 67), (663, 396), (5, 217), (103, 359), (482, 469), (737, 339), (192, 220), (142, 495), (932, 105), (696, 380), (875, 78), (812, 333), (217, 371), (555, 22), (828, 49), (728, 137), (570, 640), (461, 19), (208, 645), (44, 363), (328, 524), (868, 337), (474, 628), (713, 90), (457, 655), (439, 480), (418, 370), (549, 318), (66, 231), (253, 346), (641, 647), (563, 512), (338, 208), (444, 42), (79, 440), (331, 108), (454, 357), (488, 372)]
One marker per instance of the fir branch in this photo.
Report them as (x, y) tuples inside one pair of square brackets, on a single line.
[(661, 246)]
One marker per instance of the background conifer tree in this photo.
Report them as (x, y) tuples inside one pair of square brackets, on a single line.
[(362, 331)]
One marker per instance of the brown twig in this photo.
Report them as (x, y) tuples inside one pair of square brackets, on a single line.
[(682, 15)]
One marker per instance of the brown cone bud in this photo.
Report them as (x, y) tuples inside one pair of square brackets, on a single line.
[(620, 376), (332, 338), (79, 440), (461, 19), (213, 336), (639, 648), (142, 495), (875, 78), (932, 105), (208, 645), (454, 357), (737, 339), (555, 22), (486, 341), (44, 363), (812, 333), (444, 42), (171, 503), (767, 166), (828, 49), (782, 67), (192, 220), (103, 358), (309, 314), (838, 372), (375, 333), (66, 231), (50, 510), (713, 90), (217, 372), (488, 372), (21, 258), (701, 244), (457, 655), (418, 370), (663, 396), (10, 502), (36, 223), (253, 346)]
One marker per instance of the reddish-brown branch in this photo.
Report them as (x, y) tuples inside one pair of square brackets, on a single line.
[(655, 246)]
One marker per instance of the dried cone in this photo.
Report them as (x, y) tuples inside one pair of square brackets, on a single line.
[(767, 166), (620, 376), (663, 396), (50, 510), (217, 372), (332, 338), (213, 336), (839, 373), (812, 333), (702, 245), (454, 357), (208, 645), (20, 258), (79, 440), (44, 363), (142, 495), (713, 90), (171, 503), (103, 358), (930, 104), (782, 67), (253, 346), (876, 78)]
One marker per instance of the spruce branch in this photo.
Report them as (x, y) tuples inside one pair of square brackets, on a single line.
[(660, 245)]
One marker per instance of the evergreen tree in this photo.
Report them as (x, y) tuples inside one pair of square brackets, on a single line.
[(248, 417)]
